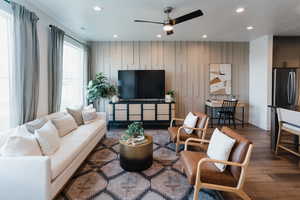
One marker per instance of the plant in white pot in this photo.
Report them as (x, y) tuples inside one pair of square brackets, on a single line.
[(169, 97), (100, 88)]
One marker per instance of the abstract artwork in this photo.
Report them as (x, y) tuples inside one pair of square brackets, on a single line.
[(220, 79)]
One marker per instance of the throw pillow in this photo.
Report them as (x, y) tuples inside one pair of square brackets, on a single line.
[(190, 121), (48, 138), (20, 143), (219, 148), (35, 124), (76, 114), (89, 115), (64, 124)]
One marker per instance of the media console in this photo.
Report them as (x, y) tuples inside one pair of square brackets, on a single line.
[(150, 113)]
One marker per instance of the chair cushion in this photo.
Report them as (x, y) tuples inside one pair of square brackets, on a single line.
[(72, 144), (190, 121), (209, 172), (291, 128), (220, 147), (183, 135)]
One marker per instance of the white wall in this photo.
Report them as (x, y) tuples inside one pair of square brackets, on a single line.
[(43, 31), (260, 81)]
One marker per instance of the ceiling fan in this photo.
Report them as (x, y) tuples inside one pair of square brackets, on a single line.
[(169, 22)]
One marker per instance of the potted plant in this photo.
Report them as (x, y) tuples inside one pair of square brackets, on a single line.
[(100, 88), (170, 96), (134, 133)]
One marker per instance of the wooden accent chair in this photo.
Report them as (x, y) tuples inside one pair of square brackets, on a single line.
[(202, 173), (178, 134), (289, 122)]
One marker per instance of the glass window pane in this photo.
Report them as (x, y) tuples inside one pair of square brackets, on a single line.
[(72, 89), (4, 70)]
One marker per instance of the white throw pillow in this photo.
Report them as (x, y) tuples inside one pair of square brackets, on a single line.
[(65, 124), (21, 143), (219, 148), (89, 115), (190, 121), (48, 138)]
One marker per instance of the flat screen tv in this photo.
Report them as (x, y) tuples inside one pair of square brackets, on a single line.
[(141, 84)]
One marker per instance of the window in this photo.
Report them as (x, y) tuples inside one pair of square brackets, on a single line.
[(4, 70), (73, 76)]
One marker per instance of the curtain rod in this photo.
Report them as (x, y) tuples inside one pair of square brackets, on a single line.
[(69, 36)]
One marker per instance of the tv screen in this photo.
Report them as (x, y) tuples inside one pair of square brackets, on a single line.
[(141, 84)]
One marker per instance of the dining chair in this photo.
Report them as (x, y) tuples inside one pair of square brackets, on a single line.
[(227, 112)]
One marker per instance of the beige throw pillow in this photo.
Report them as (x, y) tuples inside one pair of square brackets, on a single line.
[(76, 114), (190, 121), (48, 138), (89, 115), (64, 124)]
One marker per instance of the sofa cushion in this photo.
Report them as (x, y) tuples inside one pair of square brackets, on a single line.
[(65, 124), (76, 114), (48, 138), (21, 143), (35, 124), (209, 172), (72, 144)]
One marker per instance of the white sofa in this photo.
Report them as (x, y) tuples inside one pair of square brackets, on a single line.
[(42, 177)]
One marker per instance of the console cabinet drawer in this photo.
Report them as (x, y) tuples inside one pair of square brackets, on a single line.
[(163, 109), (135, 117), (135, 109), (163, 117), (121, 115), (149, 106), (149, 115), (121, 106)]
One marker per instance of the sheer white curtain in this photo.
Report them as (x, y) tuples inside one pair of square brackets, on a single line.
[(5, 66), (73, 85)]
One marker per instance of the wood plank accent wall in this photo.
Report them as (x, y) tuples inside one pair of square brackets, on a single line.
[(186, 65)]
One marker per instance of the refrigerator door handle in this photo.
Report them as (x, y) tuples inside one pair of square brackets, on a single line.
[(274, 87), (289, 88), (293, 88)]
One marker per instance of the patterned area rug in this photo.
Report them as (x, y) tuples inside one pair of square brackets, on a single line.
[(101, 178)]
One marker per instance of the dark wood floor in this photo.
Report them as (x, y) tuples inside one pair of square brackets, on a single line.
[(269, 177)]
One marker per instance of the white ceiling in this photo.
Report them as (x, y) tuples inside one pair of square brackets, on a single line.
[(220, 21)]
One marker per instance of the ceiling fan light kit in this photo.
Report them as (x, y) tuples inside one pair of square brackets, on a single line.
[(168, 25)]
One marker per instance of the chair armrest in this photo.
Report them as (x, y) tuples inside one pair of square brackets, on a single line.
[(203, 160), (25, 177), (196, 129), (175, 119), (194, 140)]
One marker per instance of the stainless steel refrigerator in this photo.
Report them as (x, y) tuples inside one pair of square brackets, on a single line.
[(285, 87)]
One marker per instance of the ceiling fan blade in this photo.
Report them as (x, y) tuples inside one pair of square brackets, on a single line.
[(145, 21), (187, 17)]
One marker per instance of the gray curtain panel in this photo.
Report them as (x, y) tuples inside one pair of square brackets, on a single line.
[(25, 69), (55, 68)]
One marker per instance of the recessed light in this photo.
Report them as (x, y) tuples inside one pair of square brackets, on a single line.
[(250, 27), (240, 10), (204, 36), (97, 8), (158, 35), (115, 36)]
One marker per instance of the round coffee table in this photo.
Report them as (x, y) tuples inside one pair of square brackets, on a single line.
[(136, 157)]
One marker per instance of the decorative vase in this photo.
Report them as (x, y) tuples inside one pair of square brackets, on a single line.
[(168, 98), (115, 99)]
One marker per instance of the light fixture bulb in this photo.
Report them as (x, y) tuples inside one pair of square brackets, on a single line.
[(168, 27), (250, 27), (158, 35), (97, 8), (240, 10), (115, 36), (204, 36)]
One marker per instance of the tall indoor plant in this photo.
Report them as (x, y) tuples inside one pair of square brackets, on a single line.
[(100, 88)]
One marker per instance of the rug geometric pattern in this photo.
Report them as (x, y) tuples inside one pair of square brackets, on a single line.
[(100, 177)]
